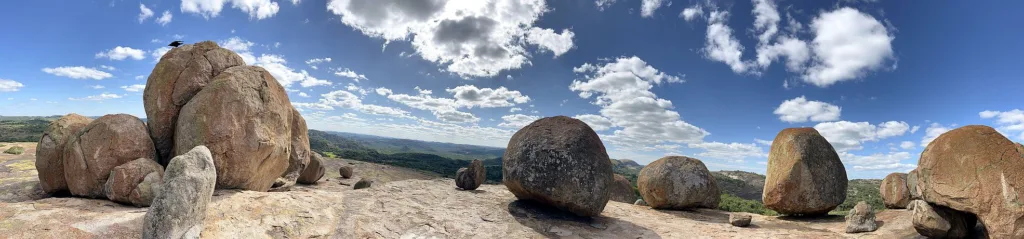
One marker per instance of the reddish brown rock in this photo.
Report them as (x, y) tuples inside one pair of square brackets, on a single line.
[(244, 117), (105, 143), (346, 171), (678, 182), (895, 193), (977, 170), (621, 190), (178, 76), (124, 183), (805, 175), (50, 151)]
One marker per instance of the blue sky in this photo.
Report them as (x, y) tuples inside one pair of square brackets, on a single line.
[(711, 80)]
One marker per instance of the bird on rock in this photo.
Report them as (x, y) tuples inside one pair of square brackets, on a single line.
[(176, 43)]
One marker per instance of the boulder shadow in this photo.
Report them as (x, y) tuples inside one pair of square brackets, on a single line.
[(813, 219), (542, 219), (698, 214), (476, 191)]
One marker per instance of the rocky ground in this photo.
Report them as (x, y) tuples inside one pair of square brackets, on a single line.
[(402, 203)]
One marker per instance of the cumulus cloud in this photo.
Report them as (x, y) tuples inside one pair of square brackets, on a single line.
[(557, 43), (933, 131), (517, 121), (159, 52), (134, 88), (109, 68), (348, 100), (165, 18), (878, 161), (144, 13), (732, 152), (444, 109), (350, 74), (596, 122), (721, 45), (303, 94), (276, 65), (847, 136), (907, 145), (622, 88), (383, 91), (121, 53), (470, 96), (692, 13), (847, 45), (1007, 121), (316, 61), (100, 97), (258, 9), (10, 85), (78, 72), (647, 7), (798, 110), (477, 39)]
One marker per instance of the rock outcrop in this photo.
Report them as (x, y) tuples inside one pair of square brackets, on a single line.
[(940, 222), (977, 170), (179, 208), (621, 190), (100, 146), (559, 162), (313, 171), (678, 182), (300, 156), (895, 193), (50, 151), (244, 117), (179, 75), (471, 177), (861, 219), (125, 184), (805, 175), (739, 219)]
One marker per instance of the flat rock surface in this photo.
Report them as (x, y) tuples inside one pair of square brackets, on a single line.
[(406, 203)]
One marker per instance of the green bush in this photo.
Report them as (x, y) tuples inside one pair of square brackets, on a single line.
[(330, 155), (736, 204), (16, 150)]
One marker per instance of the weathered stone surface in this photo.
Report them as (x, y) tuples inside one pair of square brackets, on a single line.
[(471, 177), (50, 151), (346, 171), (977, 170), (940, 222), (314, 171), (244, 117), (861, 219), (300, 156), (640, 202), (621, 190), (179, 208), (895, 193), (739, 219), (805, 175), (912, 185), (178, 76), (124, 181), (100, 146), (363, 183), (678, 182), (560, 162)]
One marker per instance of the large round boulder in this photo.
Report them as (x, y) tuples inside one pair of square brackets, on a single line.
[(313, 171), (560, 162), (244, 117), (805, 175), (100, 146), (678, 182), (621, 190), (50, 151), (125, 184), (178, 76), (976, 169), (895, 193), (470, 178)]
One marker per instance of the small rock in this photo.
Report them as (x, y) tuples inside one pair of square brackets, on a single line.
[(861, 219), (935, 221), (314, 170), (470, 178), (346, 171), (363, 183), (123, 184), (179, 208), (739, 219), (640, 202)]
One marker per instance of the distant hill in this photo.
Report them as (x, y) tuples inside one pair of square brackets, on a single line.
[(394, 145), (745, 185), (23, 128)]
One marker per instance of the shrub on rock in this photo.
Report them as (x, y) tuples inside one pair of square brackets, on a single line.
[(179, 209), (805, 175), (895, 193), (50, 151), (97, 148), (125, 184), (678, 182), (471, 177), (560, 162)]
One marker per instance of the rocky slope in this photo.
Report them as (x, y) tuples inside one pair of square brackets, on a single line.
[(402, 203)]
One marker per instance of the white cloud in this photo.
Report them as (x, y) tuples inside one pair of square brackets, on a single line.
[(557, 43), (144, 13), (721, 45), (514, 109), (109, 68), (914, 129), (933, 131), (275, 64), (159, 52), (647, 7), (134, 88), (165, 18), (423, 91), (296, 2), (470, 96), (444, 109), (140, 77), (907, 145), (766, 20), (517, 121), (97, 87), (236, 44), (602, 4), (763, 142), (303, 94), (796, 51), (1007, 121), (623, 91), (799, 110), (732, 152), (692, 13), (356, 89), (316, 61), (348, 100), (78, 72), (847, 45), (596, 122), (121, 53), (10, 85), (383, 91), (846, 136), (347, 73), (877, 161), (468, 38), (100, 97), (258, 9)]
